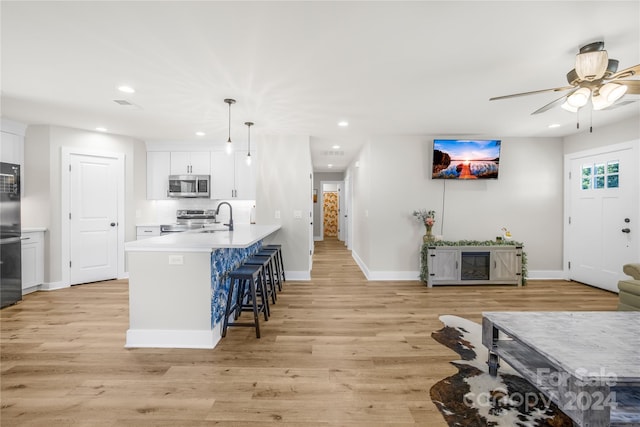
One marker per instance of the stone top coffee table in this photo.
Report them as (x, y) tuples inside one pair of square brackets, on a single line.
[(587, 363)]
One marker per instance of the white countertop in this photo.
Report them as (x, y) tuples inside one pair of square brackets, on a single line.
[(242, 236), (33, 229)]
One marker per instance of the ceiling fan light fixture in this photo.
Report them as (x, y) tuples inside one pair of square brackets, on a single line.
[(600, 102), (579, 98), (592, 65), (568, 107), (613, 91)]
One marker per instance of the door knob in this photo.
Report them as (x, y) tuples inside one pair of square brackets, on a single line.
[(113, 224), (626, 230)]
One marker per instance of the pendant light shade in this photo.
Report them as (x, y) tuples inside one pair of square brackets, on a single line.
[(579, 98), (613, 91), (229, 146), (249, 124)]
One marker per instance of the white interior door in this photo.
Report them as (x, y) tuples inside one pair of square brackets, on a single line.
[(341, 226), (602, 230), (93, 221), (311, 241)]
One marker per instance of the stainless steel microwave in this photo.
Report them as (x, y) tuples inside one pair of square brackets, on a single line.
[(189, 185)]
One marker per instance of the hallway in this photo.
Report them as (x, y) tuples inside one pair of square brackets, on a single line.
[(332, 260)]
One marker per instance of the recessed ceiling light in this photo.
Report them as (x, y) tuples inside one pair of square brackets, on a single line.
[(554, 125), (126, 89), (343, 123), (200, 133), (336, 147), (329, 165), (101, 129)]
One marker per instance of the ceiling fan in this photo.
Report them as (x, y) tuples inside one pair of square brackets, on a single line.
[(594, 77)]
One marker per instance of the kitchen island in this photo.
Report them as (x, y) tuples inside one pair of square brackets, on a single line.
[(178, 284)]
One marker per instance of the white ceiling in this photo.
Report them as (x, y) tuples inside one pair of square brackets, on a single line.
[(388, 68)]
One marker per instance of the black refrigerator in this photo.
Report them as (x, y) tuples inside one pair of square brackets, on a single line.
[(10, 232)]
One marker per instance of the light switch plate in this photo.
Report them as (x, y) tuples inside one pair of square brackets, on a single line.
[(176, 259), (277, 214)]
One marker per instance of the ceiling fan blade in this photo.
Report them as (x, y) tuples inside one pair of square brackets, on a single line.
[(633, 86), (553, 103), (556, 89), (627, 72)]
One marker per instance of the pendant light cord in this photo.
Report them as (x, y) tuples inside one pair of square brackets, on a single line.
[(230, 101), (229, 140)]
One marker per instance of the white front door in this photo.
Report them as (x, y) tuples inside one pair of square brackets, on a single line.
[(93, 221), (602, 229)]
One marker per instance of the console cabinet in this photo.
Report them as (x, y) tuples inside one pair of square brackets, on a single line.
[(474, 265)]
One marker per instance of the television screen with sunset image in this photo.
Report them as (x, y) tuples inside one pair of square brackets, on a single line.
[(465, 159)]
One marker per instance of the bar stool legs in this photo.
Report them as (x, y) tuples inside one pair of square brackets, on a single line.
[(246, 276), (280, 267)]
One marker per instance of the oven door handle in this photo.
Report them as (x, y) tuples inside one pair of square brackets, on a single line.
[(9, 240)]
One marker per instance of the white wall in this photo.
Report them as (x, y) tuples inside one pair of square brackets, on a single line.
[(41, 203), (393, 180), (360, 172), (626, 130), (284, 184)]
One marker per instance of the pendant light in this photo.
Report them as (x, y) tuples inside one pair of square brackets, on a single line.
[(229, 145), (249, 124)]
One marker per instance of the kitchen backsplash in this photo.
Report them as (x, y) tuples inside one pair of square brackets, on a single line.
[(164, 211)]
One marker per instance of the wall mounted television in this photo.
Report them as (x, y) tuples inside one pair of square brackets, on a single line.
[(465, 158)]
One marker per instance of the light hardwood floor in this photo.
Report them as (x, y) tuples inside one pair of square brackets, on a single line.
[(337, 351)]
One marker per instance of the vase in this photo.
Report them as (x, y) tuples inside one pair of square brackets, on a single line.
[(428, 237)]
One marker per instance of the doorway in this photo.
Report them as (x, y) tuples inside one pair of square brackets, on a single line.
[(330, 213), (92, 194), (331, 210), (601, 233)]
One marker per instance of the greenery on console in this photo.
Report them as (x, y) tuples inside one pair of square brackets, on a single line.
[(424, 267)]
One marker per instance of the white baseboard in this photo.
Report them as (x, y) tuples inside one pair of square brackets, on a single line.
[(53, 286), (361, 264), (159, 338), (546, 275), (317, 238), (394, 275)]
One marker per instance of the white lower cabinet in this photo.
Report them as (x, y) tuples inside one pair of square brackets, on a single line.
[(32, 260), (147, 231), (474, 265)]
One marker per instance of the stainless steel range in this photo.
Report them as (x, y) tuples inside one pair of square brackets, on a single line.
[(189, 219)]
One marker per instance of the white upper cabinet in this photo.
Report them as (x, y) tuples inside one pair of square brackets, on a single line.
[(231, 177), (245, 177), (158, 171), (222, 175), (190, 162), (11, 148)]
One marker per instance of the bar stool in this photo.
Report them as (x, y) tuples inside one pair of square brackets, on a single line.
[(268, 274), (277, 249), (244, 275)]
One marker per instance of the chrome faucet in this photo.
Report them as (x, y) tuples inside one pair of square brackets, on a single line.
[(230, 225)]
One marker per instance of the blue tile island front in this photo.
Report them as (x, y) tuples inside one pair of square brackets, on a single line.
[(178, 284)]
